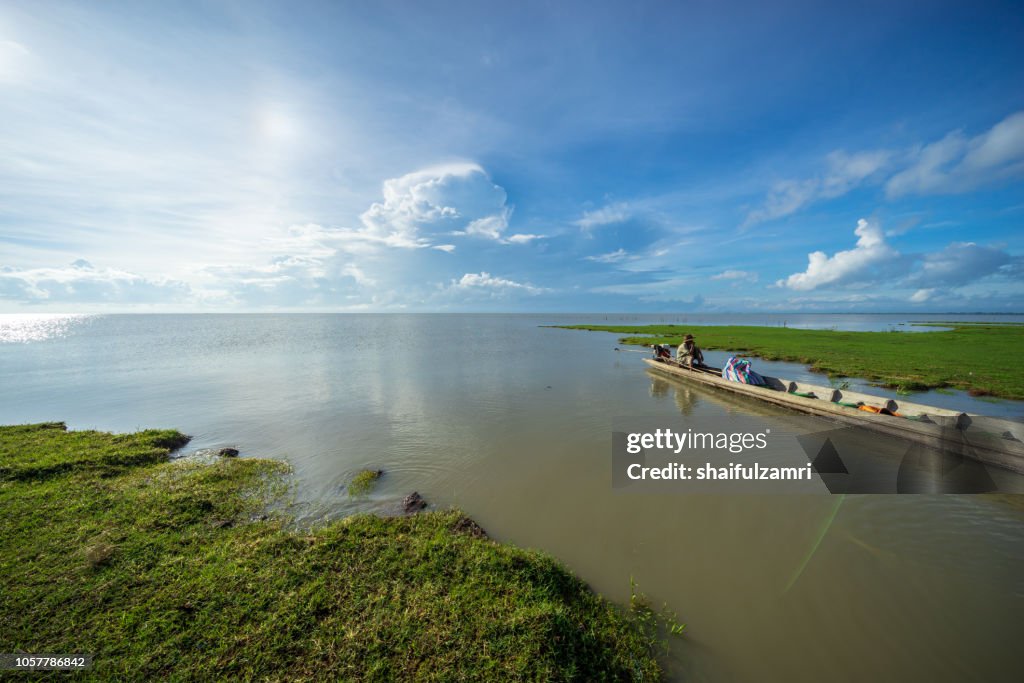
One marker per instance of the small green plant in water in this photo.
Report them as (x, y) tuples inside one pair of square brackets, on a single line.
[(363, 482), (652, 623)]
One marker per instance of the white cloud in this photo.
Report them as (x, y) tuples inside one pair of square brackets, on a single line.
[(736, 275), (613, 213), (457, 198), (485, 281), (489, 226), (871, 249), (873, 261), (523, 238), (353, 271), (289, 280), (927, 172), (958, 164), (1002, 144), (81, 282), (961, 263), (416, 208), (311, 239), (611, 257), (955, 163), (844, 173)]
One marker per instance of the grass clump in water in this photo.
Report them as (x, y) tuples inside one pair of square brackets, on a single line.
[(363, 482), (172, 570), (976, 358), (658, 625)]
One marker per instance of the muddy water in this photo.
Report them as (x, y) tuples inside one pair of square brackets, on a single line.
[(511, 422)]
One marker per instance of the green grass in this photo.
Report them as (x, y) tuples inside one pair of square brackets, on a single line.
[(977, 358), (173, 570), (363, 482), (962, 323)]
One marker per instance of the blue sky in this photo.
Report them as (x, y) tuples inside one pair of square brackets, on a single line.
[(644, 156)]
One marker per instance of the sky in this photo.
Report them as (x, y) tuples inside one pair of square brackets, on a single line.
[(484, 156)]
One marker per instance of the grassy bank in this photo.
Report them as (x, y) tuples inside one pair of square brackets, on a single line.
[(977, 358), (173, 570)]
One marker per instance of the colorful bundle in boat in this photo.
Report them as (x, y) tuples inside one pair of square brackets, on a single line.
[(739, 370)]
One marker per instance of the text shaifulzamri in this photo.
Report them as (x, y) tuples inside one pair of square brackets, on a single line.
[(709, 472)]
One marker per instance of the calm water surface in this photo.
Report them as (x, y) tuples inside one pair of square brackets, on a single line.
[(511, 422)]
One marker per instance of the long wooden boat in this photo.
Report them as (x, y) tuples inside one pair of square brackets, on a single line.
[(989, 440)]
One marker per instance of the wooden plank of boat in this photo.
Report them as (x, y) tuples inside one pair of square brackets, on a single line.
[(989, 440)]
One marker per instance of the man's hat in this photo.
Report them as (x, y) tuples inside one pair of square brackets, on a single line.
[(689, 337)]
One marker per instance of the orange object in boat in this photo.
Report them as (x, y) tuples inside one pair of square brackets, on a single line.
[(875, 409)]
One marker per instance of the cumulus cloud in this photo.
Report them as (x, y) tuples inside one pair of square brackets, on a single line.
[(484, 281), (930, 275), (844, 172), (613, 213), (822, 269), (458, 199), (81, 282), (416, 209), (488, 226), (315, 265), (957, 163)]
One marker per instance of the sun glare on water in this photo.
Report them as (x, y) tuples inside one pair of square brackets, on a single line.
[(32, 327)]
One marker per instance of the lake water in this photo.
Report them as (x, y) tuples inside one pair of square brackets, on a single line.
[(511, 422)]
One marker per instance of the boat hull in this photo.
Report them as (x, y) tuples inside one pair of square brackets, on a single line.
[(988, 440)]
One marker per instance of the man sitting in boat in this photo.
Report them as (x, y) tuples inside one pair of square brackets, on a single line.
[(689, 353)]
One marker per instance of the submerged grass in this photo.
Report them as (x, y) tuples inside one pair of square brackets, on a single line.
[(978, 358), (173, 570), (363, 482)]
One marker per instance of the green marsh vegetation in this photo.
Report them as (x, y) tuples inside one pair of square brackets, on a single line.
[(978, 358), (363, 482), (177, 570)]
